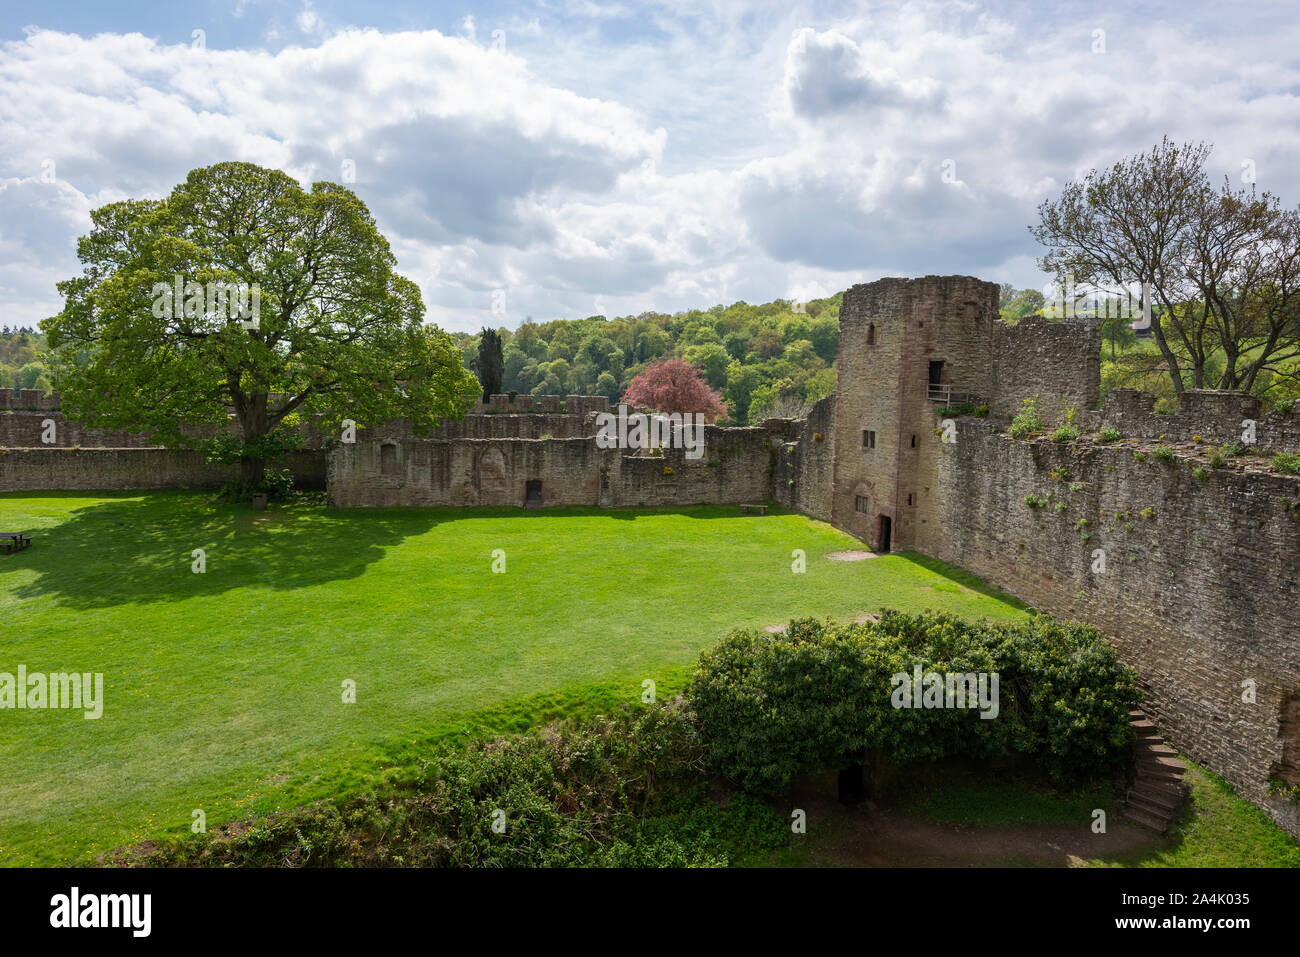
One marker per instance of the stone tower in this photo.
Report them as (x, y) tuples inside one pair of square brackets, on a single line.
[(907, 348)]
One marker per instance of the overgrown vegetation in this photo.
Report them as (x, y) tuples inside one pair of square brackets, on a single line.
[(1027, 421), (627, 790), (1067, 431), (822, 694), (1287, 462)]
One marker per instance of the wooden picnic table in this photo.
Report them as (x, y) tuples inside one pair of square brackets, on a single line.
[(14, 541)]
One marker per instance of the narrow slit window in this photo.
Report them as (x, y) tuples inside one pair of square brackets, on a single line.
[(868, 439)]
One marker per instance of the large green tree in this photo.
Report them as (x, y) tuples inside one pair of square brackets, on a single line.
[(337, 334)]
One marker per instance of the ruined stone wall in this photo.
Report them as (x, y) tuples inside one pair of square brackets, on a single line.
[(805, 466), (27, 400), (1218, 417), (1057, 362), (38, 469), (1200, 593), (891, 331), (543, 404), (737, 466), (23, 429)]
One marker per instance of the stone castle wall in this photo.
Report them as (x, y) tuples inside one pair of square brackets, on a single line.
[(91, 458), (1219, 418), (1199, 588), (388, 471), (1058, 364), (70, 469)]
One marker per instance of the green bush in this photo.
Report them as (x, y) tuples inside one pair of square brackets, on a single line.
[(1027, 421), (1287, 462), (1109, 434), (626, 791), (820, 694), (276, 485), (1164, 453)]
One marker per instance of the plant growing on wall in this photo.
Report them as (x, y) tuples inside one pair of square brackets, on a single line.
[(1027, 421), (1287, 463), (1067, 431), (335, 333)]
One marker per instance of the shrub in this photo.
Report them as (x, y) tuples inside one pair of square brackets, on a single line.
[(1109, 434), (276, 485), (966, 408), (625, 790), (820, 694), (1027, 420), (1164, 453), (1287, 462), (1067, 431), (1201, 473), (1139, 456), (1033, 501)]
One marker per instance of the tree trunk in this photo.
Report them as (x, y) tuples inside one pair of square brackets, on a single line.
[(251, 470), (254, 425)]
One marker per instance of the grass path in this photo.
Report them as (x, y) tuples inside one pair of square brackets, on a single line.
[(223, 689)]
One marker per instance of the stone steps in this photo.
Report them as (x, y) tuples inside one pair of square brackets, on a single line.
[(1158, 792)]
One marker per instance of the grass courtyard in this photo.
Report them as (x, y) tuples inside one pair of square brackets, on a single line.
[(223, 690)]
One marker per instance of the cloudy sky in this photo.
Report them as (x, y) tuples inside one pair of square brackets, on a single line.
[(574, 157)]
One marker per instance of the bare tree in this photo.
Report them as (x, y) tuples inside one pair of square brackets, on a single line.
[(1222, 266)]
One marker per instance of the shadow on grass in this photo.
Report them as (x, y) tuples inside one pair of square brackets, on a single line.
[(962, 577), (140, 549)]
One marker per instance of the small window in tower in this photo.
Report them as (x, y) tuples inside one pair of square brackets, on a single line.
[(871, 334), (868, 439), (909, 499), (914, 441), (860, 503)]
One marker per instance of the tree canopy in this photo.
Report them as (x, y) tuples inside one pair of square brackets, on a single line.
[(674, 385), (148, 339), (1222, 264)]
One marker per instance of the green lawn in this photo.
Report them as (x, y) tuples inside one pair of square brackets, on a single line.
[(223, 690)]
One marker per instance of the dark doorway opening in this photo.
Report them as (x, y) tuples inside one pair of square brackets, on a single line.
[(936, 371), (883, 543), (852, 787), (533, 493)]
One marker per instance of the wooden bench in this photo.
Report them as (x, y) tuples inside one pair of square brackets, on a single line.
[(747, 508), (14, 541)]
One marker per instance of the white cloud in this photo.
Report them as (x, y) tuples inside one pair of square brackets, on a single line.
[(653, 157), (307, 20)]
